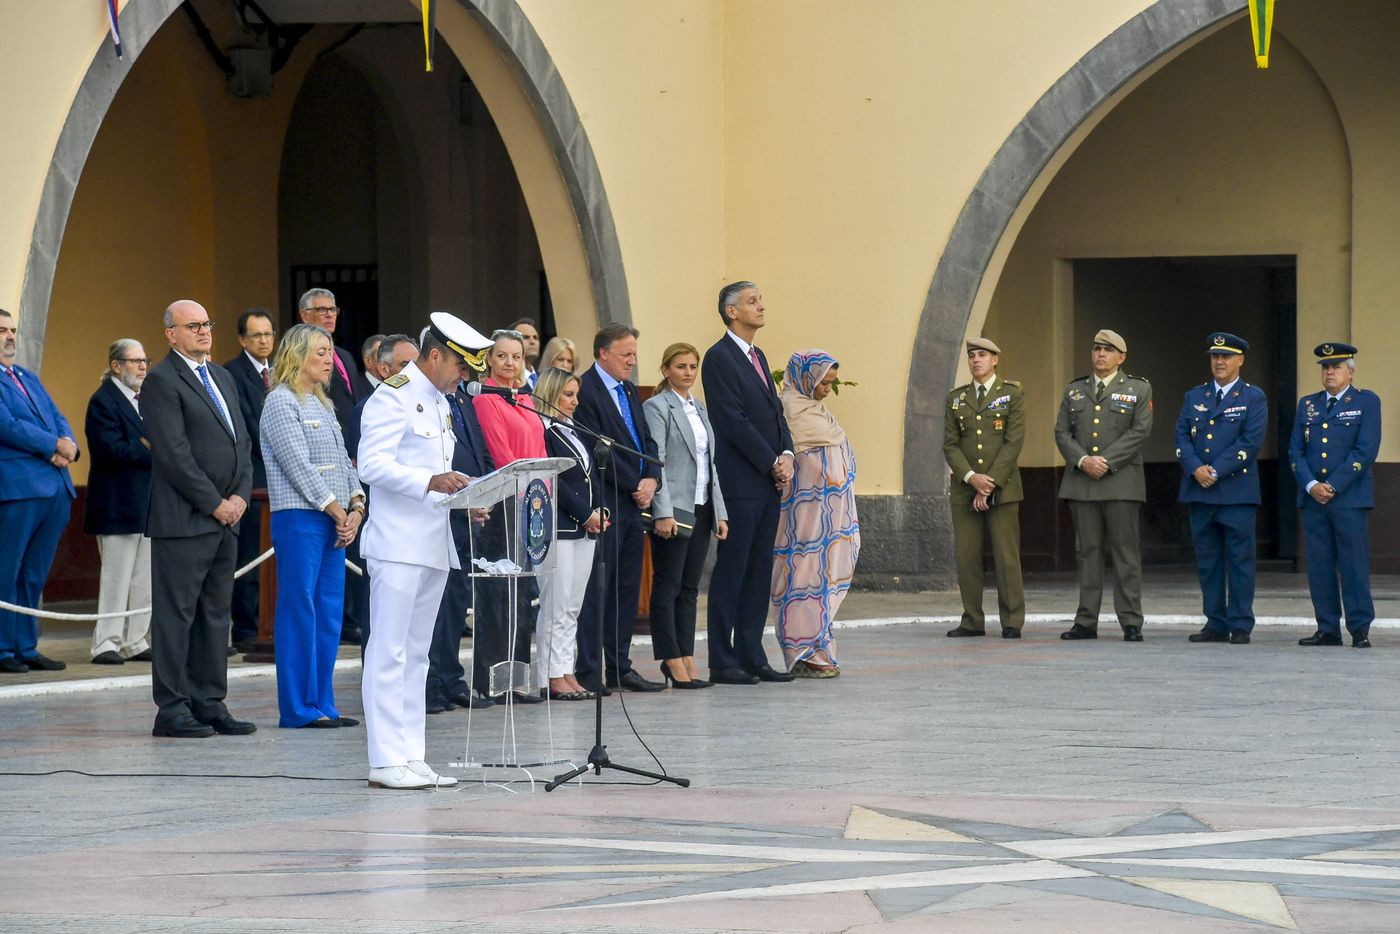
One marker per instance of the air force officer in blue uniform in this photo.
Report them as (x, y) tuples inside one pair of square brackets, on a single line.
[(1336, 437), (1218, 436)]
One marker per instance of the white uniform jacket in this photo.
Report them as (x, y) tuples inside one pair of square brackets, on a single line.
[(405, 439)]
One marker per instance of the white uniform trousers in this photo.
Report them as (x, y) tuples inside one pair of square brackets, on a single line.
[(561, 599), (403, 608), (125, 584)]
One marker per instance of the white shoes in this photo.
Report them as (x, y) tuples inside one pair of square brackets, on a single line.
[(424, 771), (397, 776)]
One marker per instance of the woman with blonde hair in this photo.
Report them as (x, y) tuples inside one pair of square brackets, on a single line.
[(578, 521), (560, 352), (686, 510), (818, 540), (317, 505)]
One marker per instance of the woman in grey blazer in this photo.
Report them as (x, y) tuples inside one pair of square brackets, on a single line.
[(687, 509), (317, 505)]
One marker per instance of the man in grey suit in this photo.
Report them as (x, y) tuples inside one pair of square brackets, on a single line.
[(1104, 422), (201, 478)]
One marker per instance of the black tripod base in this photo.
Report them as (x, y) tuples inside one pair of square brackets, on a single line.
[(598, 760)]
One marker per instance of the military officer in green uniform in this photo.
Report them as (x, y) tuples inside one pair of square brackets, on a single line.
[(984, 429), (1104, 422)]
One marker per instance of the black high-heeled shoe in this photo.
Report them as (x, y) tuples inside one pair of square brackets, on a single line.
[(681, 685)]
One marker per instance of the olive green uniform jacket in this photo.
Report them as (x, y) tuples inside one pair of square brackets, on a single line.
[(1115, 428), (985, 439)]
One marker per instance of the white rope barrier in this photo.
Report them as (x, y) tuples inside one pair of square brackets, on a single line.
[(94, 617)]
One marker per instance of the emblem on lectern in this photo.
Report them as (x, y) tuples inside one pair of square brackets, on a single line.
[(537, 521)]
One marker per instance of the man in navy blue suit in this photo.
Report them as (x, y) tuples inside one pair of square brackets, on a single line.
[(1336, 438), (608, 404), (1218, 436), (252, 374), (36, 447), (753, 457)]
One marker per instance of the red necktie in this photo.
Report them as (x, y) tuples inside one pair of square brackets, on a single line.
[(758, 367), (267, 383), (339, 368), (18, 385)]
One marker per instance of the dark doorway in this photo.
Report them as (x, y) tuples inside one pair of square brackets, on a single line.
[(356, 288), (1165, 307)]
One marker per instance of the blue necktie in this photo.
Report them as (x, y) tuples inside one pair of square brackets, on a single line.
[(626, 408), (203, 372)]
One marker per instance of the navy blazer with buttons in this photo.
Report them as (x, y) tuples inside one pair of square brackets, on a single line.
[(119, 481), (1338, 447), (1226, 436), (598, 410), (29, 431), (573, 495), (750, 430), (470, 456)]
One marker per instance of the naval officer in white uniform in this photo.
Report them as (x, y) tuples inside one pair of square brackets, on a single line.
[(405, 459)]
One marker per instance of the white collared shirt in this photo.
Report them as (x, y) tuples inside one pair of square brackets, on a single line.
[(611, 384), (1225, 390), (129, 393), (702, 447), (228, 416), (262, 366)]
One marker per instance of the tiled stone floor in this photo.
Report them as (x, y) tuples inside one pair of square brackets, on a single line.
[(968, 785)]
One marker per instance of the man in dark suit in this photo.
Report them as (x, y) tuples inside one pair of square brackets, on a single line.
[(447, 686), (318, 307), (753, 456), (36, 494), (252, 374), (201, 478), (608, 404), (1218, 435), (368, 381), (118, 495)]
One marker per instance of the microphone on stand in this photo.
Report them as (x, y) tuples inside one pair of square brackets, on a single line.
[(475, 389)]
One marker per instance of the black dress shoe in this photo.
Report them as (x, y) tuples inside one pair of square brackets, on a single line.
[(13, 666), (225, 723), (772, 675), (1077, 632), (325, 723), (37, 662), (351, 635), (635, 682), (1360, 641), (1207, 635), (346, 721), (460, 699), (1321, 638), (731, 676), (482, 701), (436, 705), (141, 656), (182, 727), (1009, 633), (520, 697), (230, 652), (1239, 637), (1132, 633), (108, 658), (960, 633)]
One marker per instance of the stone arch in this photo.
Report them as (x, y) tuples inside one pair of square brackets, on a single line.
[(584, 246), (984, 231)]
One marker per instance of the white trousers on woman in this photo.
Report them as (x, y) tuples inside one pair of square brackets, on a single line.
[(125, 584), (403, 607), (561, 599)]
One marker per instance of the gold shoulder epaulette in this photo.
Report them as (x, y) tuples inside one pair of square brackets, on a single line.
[(397, 381), (1012, 382)]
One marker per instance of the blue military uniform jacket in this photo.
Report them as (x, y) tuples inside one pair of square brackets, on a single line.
[(1226, 437), (1338, 448)]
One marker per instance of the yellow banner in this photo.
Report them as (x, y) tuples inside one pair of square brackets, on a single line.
[(1261, 27)]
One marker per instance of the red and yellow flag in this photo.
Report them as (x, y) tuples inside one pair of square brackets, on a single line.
[(1261, 27)]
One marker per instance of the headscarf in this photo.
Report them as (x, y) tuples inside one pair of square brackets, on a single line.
[(812, 426)]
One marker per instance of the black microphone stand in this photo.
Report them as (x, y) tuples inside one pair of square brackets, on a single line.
[(598, 755)]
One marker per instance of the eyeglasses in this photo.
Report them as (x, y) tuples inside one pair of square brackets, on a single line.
[(260, 335), (137, 361), (330, 312), (194, 327)]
